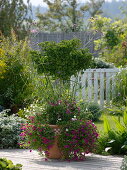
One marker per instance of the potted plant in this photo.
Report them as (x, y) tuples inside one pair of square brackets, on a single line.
[(57, 111), (57, 131)]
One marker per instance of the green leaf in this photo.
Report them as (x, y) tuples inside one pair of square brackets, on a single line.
[(125, 117), (107, 127), (119, 126)]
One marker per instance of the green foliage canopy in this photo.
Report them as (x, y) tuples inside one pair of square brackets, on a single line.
[(16, 80), (113, 42), (67, 15), (62, 60)]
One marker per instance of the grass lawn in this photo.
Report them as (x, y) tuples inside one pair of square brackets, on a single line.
[(100, 123)]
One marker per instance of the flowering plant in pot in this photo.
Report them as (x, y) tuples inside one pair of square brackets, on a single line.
[(39, 117), (73, 137), (45, 129)]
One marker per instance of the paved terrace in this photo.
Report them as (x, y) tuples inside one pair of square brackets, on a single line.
[(33, 161)]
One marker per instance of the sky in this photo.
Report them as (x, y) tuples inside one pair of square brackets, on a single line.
[(41, 3)]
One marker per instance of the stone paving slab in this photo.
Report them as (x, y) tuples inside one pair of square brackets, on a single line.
[(33, 161)]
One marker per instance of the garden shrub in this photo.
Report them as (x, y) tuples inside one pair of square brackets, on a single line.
[(84, 113), (9, 130), (96, 110), (114, 141), (101, 64), (16, 73), (61, 60), (107, 143), (6, 164), (90, 111), (2, 62)]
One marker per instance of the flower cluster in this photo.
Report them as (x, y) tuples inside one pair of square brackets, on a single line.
[(78, 138), (36, 135), (75, 138), (61, 111)]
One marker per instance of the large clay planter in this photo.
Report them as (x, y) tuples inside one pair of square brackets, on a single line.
[(54, 151)]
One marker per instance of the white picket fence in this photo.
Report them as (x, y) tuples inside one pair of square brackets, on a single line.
[(95, 85)]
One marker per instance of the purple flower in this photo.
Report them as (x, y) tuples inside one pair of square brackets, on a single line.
[(22, 134), (66, 146), (68, 111)]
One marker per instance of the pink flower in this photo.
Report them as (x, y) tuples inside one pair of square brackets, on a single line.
[(23, 128), (34, 140), (34, 31), (68, 111), (53, 104), (66, 146), (86, 141), (22, 134), (59, 102)]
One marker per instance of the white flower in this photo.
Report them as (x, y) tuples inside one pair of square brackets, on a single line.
[(73, 119), (66, 130)]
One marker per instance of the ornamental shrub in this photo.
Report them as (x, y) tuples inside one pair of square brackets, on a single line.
[(95, 110), (6, 164), (61, 60), (90, 111), (101, 64), (114, 138), (9, 130), (16, 78), (107, 143)]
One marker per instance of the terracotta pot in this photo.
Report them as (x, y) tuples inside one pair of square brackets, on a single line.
[(54, 151)]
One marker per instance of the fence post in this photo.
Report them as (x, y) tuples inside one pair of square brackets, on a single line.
[(89, 86), (102, 88), (95, 87)]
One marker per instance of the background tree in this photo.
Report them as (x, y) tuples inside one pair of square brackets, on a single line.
[(14, 14), (67, 15), (94, 7), (62, 15), (112, 45), (123, 9)]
